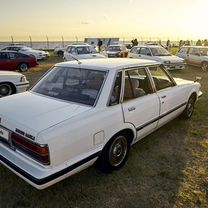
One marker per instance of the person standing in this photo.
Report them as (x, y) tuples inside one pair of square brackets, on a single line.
[(100, 43)]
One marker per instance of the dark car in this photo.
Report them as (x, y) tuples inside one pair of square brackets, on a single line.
[(11, 61), (114, 51)]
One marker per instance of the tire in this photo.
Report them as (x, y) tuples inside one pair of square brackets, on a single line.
[(23, 67), (114, 154), (60, 53), (187, 113), (204, 66), (5, 89)]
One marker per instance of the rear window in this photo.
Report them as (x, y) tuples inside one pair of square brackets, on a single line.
[(71, 84)]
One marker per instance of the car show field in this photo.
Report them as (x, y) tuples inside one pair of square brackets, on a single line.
[(166, 169)]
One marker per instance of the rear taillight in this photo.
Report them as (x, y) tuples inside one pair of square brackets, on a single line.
[(38, 152)]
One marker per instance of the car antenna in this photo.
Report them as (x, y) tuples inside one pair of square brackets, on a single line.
[(78, 61)]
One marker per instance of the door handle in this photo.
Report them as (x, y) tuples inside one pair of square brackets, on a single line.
[(164, 96), (131, 108)]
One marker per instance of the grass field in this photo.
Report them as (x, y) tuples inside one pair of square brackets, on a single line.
[(169, 169)]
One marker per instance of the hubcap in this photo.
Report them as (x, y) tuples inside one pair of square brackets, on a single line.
[(5, 90), (23, 67), (118, 151)]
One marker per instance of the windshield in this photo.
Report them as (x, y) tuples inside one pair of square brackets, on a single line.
[(25, 49), (204, 51), (85, 50), (72, 84), (159, 51), (114, 48)]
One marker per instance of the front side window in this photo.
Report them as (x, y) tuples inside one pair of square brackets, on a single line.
[(72, 84), (159, 51), (137, 84), (161, 78), (145, 51)]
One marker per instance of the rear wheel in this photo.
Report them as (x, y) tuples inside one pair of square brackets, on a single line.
[(60, 53), (114, 154), (23, 67), (204, 66), (187, 113), (5, 89)]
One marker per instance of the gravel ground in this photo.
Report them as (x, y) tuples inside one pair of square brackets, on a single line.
[(33, 77)]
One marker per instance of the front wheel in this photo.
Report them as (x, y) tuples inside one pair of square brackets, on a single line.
[(5, 89), (187, 113), (204, 66), (114, 154), (23, 67)]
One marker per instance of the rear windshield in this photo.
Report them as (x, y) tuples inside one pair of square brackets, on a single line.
[(72, 84)]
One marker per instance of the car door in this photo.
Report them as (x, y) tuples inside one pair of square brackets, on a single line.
[(140, 103), (172, 96), (194, 57), (5, 62)]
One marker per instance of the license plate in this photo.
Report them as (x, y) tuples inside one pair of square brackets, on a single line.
[(4, 133)]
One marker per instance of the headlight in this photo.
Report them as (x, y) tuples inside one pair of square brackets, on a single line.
[(23, 79), (166, 62)]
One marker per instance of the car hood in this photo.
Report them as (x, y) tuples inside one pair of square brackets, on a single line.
[(180, 81), (32, 113), (172, 59), (9, 73)]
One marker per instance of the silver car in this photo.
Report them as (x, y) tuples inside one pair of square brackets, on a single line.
[(195, 56)]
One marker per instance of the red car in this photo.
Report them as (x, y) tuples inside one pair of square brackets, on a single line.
[(11, 61)]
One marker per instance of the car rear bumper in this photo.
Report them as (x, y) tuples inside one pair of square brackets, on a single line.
[(38, 176)]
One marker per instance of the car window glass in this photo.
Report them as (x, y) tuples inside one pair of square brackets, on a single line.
[(134, 50), (183, 50), (83, 50), (3, 56), (194, 51), (137, 84), (161, 78), (73, 50), (12, 55), (145, 51), (115, 95), (72, 84)]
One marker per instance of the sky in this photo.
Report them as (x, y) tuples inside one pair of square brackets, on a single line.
[(157, 19)]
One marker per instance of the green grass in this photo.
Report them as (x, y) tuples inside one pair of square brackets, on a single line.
[(169, 168)]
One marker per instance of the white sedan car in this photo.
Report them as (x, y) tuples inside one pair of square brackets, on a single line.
[(83, 51), (86, 113), (157, 53), (12, 82), (39, 54)]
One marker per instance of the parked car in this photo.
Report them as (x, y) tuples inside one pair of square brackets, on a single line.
[(78, 52), (195, 56), (11, 83), (39, 55), (115, 51), (10, 60), (92, 112), (59, 51), (157, 53)]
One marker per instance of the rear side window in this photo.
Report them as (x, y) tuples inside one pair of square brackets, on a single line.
[(3, 56), (183, 50)]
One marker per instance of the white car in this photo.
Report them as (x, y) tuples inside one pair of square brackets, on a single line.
[(39, 55), (195, 56), (83, 51), (12, 82), (89, 112), (157, 53)]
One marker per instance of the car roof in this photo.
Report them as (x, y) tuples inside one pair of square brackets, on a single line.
[(104, 64), (194, 47), (148, 46)]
